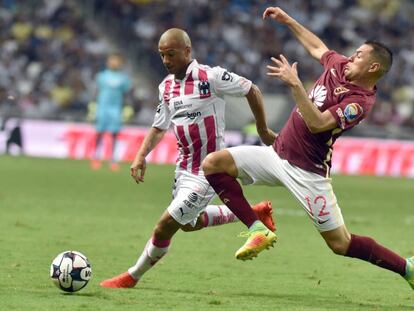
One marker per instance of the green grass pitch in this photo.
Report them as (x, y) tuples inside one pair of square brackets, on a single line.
[(49, 206)]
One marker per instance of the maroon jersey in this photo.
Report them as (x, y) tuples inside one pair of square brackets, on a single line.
[(349, 104)]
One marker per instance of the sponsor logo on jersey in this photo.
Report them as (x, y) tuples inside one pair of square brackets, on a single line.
[(318, 95), (333, 72), (352, 112), (178, 104), (340, 90), (193, 115)]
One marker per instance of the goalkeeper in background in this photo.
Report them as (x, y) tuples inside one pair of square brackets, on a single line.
[(112, 87)]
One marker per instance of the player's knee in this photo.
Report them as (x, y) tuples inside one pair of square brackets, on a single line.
[(210, 164), (338, 247), (219, 162), (165, 229), (190, 228), (338, 240), (187, 228)]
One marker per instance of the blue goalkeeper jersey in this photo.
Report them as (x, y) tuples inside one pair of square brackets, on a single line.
[(112, 86)]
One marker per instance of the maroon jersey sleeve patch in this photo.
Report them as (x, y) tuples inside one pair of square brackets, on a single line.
[(349, 113)]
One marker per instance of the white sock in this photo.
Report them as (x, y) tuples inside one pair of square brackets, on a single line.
[(149, 257), (215, 215)]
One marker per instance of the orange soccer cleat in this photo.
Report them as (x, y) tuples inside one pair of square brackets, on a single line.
[(124, 280), (264, 211)]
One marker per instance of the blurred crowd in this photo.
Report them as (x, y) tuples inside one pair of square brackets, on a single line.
[(48, 59), (232, 34), (50, 53)]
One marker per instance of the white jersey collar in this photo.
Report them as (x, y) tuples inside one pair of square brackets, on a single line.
[(192, 65)]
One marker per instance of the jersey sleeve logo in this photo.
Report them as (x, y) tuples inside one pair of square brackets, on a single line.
[(227, 76), (352, 112)]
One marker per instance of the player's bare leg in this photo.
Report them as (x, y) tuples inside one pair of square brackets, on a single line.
[(338, 240), (154, 250), (221, 173), (166, 228), (365, 248)]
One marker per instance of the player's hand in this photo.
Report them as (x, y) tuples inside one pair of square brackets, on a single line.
[(284, 71), (267, 136), (138, 167), (277, 14)]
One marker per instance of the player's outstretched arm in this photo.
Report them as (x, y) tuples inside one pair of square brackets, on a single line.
[(315, 120), (315, 47), (139, 164), (255, 100)]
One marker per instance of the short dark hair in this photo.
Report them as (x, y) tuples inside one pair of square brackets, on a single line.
[(382, 54)]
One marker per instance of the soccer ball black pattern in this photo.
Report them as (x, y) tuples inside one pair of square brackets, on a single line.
[(70, 271)]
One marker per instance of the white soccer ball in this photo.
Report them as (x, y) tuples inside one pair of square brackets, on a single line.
[(70, 271)]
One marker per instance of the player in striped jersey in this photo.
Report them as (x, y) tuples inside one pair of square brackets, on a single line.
[(191, 100)]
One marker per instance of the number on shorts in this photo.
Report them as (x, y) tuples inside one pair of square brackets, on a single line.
[(317, 200)]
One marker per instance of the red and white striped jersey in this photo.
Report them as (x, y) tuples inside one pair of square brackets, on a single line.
[(195, 107)]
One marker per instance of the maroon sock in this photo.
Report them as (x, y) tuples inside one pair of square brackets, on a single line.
[(367, 249), (231, 193)]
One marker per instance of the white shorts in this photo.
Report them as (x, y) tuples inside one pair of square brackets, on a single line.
[(262, 166), (191, 195)]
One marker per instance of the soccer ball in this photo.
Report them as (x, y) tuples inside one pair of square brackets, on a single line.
[(70, 271)]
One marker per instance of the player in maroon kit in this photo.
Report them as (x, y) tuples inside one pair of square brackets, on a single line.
[(300, 158)]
